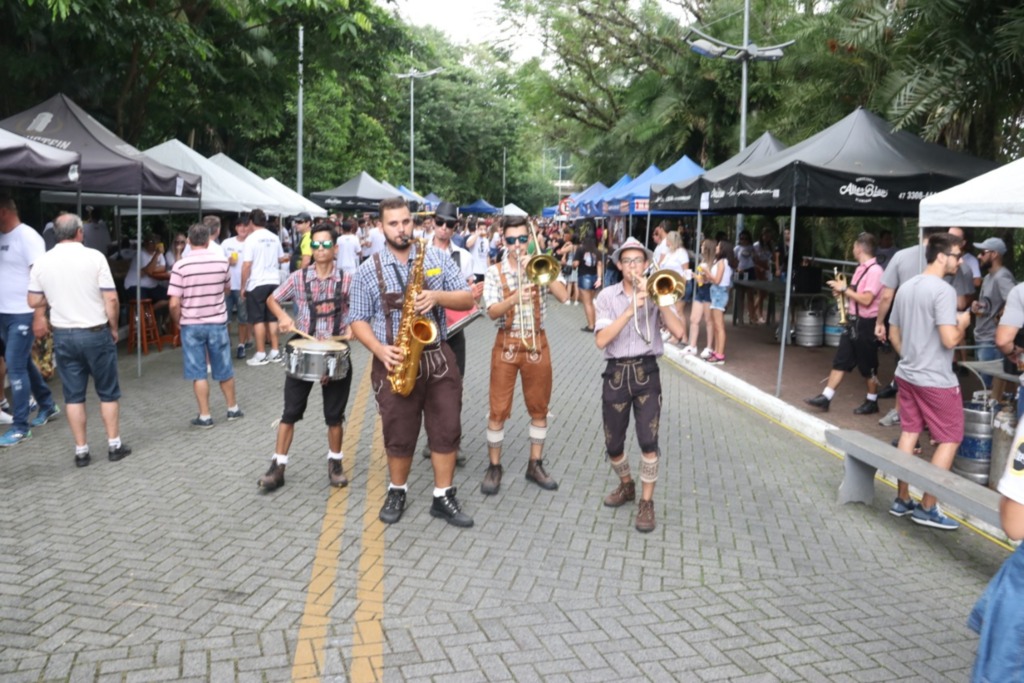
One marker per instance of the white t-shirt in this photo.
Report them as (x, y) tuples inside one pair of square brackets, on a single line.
[(263, 249), (660, 252), (212, 247), (73, 279), (348, 253), (230, 246), (1011, 484), (131, 279), (678, 260), (376, 236), (19, 249), (480, 251)]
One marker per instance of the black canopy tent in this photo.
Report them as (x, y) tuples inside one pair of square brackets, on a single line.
[(108, 163), (857, 166), (360, 193), (25, 162)]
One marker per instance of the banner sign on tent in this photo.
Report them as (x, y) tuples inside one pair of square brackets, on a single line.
[(565, 206)]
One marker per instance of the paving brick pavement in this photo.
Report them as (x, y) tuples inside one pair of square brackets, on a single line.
[(170, 565)]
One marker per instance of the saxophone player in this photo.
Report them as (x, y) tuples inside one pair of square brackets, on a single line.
[(384, 291), (857, 346)]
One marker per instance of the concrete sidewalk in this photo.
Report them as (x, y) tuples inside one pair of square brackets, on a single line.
[(170, 565)]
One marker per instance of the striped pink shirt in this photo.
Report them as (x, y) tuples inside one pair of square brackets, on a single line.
[(200, 279), (613, 302)]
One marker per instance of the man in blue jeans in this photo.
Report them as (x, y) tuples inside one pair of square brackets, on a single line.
[(77, 285), (20, 246), (199, 283)]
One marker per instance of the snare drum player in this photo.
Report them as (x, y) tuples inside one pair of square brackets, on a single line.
[(520, 348), (631, 379), (320, 293)]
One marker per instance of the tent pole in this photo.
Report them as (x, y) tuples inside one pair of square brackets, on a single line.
[(697, 239), (647, 237), (789, 288), (138, 286)]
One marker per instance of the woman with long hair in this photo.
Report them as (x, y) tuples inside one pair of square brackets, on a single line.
[(722, 269), (678, 261), (701, 301), (589, 275)]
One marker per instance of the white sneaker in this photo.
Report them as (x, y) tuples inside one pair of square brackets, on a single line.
[(706, 353), (891, 418), (665, 335), (275, 357), (6, 418), (568, 303), (258, 359), (690, 351), (575, 303)]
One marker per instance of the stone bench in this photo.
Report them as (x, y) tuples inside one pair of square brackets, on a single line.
[(866, 454)]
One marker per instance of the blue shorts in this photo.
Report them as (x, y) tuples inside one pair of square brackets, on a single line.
[(719, 297), (702, 295), (199, 340), (81, 353), (234, 303), (586, 282)]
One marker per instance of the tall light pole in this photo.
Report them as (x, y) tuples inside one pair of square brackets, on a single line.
[(412, 75)]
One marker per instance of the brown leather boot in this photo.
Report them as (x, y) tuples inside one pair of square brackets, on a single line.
[(536, 473), (492, 480), (624, 493), (274, 477), (335, 473), (645, 516)]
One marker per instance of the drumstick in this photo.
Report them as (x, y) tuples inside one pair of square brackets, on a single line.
[(303, 334)]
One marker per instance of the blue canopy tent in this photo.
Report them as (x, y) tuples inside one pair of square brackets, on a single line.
[(414, 198), (579, 199), (620, 202), (430, 202), (640, 192), (549, 211), (595, 207), (480, 206)]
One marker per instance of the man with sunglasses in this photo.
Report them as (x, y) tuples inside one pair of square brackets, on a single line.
[(626, 330), (303, 223), (924, 329), (520, 348), (321, 297)]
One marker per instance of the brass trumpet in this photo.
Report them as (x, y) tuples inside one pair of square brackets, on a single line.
[(665, 286), (841, 279), (541, 269)]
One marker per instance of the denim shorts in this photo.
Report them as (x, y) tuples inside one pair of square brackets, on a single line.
[(719, 297), (702, 294), (196, 341), (587, 281), (234, 303), (81, 353)]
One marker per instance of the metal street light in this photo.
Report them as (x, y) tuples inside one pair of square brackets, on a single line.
[(412, 75)]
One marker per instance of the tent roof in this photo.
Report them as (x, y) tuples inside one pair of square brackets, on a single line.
[(222, 191), (512, 210), (290, 202), (284, 191), (26, 162), (108, 164), (595, 190), (855, 166), (362, 192), (638, 187), (992, 200), (685, 194), (479, 206), (592, 205)]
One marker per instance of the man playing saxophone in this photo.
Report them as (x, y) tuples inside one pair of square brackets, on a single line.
[(520, 348), (857, 346), (397, 281)]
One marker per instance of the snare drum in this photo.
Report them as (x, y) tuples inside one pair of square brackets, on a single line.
[(311, 361)]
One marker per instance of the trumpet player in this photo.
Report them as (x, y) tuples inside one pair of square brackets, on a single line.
[(857, 346), (520, 348), (627, 330)]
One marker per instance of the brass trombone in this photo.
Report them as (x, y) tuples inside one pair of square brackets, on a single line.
[(841, 303), (541, 270), (645, 334)]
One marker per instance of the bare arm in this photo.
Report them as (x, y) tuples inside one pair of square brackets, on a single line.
[(1005, 334), (174, 306), (246, 271), (884, 304), (953, 335), (1011, 514), (113, 310)]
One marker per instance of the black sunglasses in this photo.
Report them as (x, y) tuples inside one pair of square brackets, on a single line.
[(522, 239), (439, 222), (326, 244)]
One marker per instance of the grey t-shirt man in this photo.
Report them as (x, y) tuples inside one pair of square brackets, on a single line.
[(1013, 314), (909, 262), (922, 304), (995, 290)]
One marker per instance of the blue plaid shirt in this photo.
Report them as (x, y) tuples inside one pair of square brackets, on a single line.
[(440, 274)]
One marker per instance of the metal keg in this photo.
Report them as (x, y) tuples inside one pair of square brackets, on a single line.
[(833, 331), (974, 457), (809, 328), (1004, 426)]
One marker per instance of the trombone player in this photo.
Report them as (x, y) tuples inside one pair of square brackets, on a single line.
[(627, 328), (513, 296), (857, 346)]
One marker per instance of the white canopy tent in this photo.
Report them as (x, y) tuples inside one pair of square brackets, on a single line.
[(512, 210), (311, 207), (292, 202), (221, 190), (992, 200)]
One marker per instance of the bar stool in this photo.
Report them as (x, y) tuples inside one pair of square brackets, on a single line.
[(150, 331), (173, 336)]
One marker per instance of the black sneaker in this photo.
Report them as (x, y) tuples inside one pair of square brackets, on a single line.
[(394, 506), (888, 391), (866, 408), (235, 414), (83, 460), (119, 453), (202, 423), (240, 352), (447, 508), (819, 401)]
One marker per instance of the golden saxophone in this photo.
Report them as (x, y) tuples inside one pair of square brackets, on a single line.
[(841, 279), (414, 331)]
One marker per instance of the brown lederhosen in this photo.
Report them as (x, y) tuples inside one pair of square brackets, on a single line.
[(510, 356), (631, 383), (436, 398)]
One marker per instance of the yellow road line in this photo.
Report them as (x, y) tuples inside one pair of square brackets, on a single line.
[(368, 634), (981, 532), (308, 662)]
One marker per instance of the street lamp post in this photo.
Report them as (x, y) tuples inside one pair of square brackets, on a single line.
[(412, 75)]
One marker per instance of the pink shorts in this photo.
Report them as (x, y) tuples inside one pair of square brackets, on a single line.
[(941, 409)]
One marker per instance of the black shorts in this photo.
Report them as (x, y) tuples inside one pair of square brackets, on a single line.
[(256, 304), (860, 353), (335, 396)]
